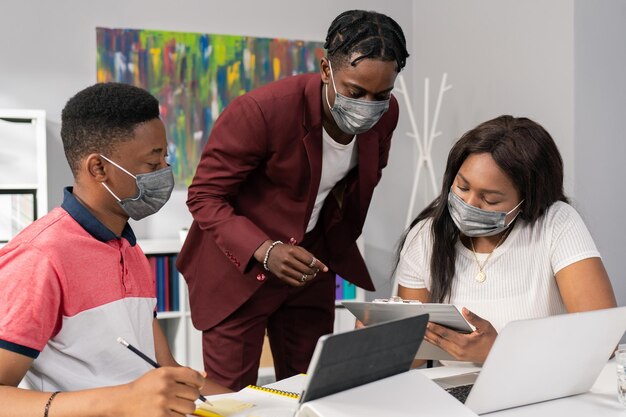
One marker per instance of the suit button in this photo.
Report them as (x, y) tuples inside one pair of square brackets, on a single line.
[(261, 277)]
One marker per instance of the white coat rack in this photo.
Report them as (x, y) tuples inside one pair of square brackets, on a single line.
[(424, 143)]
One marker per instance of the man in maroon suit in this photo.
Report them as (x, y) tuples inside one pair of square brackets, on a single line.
[(280, 197)]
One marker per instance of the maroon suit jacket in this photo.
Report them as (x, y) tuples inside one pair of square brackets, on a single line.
[(257, 179)]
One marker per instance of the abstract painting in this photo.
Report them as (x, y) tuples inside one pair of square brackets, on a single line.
[(194, 76)]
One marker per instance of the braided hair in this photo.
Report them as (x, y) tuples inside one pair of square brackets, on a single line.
[(372, 35)]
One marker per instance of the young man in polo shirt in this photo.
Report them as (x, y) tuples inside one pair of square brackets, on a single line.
[(75, 280)]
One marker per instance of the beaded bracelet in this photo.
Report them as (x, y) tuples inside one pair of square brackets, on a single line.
[(47, 409), (267, 254)]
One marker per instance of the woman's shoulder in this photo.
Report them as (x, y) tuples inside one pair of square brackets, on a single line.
[(560, 216), (420, 233), (560, 211)]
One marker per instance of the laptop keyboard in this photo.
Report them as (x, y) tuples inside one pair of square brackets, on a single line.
[(461, 392)]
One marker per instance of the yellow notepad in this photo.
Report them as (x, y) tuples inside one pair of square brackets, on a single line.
[(259, 398), (222, 407), (275, 391)]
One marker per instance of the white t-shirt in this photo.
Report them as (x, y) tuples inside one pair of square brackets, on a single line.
[(337, 160), (520, 281)]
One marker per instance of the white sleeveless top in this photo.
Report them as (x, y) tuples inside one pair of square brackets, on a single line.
[(520, 281)]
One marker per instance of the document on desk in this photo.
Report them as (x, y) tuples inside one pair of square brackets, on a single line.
[(379, 311), (251, 401)]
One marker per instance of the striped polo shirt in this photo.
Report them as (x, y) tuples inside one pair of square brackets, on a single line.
[(69, 287)]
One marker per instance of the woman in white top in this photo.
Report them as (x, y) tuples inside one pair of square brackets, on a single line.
[(501, 241)]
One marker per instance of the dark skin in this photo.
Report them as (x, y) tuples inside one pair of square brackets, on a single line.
[(168, 391), (583, 285), (369, 79), (140, 156)]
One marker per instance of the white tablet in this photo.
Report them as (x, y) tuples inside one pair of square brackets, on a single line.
[(379, 311)]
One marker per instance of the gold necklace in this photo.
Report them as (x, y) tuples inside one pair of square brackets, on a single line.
[(481, 276)]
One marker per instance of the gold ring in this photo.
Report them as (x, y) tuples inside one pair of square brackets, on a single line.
[(313, 262)]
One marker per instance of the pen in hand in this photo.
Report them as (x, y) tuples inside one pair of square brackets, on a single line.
[(150, 361)]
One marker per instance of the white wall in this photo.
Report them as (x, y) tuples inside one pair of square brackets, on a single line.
[(502, 57), (532, 58), (600, 138), (49, 53)]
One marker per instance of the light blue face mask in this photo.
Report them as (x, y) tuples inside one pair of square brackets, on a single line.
[(355, 116), (154, 188), (474, 222)]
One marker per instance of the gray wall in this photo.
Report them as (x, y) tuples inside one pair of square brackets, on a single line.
[(599, 134)]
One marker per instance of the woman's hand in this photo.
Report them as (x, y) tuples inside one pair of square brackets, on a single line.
[(472, 347)]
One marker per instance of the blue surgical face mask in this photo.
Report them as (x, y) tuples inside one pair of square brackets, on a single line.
[(473, 222), (154, 188), (354, 116)]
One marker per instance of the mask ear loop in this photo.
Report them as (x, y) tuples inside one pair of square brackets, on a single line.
[(332, 78), (511, 211), (104, 157), (107, 187), (111, 192)]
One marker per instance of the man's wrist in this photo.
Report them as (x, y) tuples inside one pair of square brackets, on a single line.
[(266, 258), (259, 253)]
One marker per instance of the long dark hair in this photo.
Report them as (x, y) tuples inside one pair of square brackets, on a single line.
[(526, 152), (371, 34)]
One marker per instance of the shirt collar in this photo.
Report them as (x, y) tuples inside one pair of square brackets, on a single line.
[(90, 223)]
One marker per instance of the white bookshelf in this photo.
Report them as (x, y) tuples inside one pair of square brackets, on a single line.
[(23, 170), (185, 341)]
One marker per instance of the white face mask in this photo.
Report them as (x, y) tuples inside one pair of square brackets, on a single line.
[(352, 115), (155, 189), (473, 222)]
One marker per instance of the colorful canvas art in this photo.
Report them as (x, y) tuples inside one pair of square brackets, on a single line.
[(195, 76)]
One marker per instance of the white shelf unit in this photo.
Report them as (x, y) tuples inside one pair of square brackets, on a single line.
[(23, 169), (184, 340)]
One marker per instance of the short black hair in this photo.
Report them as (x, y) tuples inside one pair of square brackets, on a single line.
[(99, 117), (371, 34)]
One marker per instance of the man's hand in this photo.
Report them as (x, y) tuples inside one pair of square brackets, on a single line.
[(292, 264), (162, 392)]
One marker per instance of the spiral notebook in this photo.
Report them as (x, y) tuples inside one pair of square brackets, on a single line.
[(251, 398)]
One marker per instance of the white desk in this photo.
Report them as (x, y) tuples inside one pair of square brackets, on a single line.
[(601, 400)]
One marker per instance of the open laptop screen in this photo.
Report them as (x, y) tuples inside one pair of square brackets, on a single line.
[(346, 360)]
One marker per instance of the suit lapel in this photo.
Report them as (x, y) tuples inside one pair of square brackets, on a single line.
[(313, 139)]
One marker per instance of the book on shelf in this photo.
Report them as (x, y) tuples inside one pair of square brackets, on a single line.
[(166, 278), (344, 290)]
